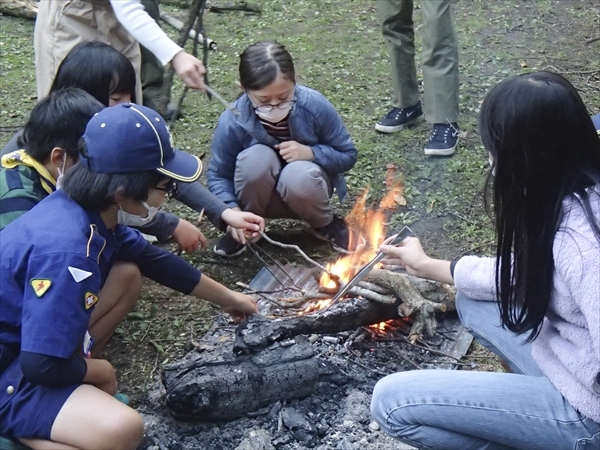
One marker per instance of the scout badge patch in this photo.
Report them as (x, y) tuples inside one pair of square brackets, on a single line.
[(40, 285), (90, 299)]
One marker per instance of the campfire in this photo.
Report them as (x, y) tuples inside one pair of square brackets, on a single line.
[(372, 225), (271, 356)]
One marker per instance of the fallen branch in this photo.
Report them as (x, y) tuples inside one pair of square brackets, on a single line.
[(25, 9), (236, 6), (178, 25), (413, 303), (590, 41)]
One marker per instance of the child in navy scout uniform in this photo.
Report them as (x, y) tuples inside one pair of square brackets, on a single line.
[(54, 261)]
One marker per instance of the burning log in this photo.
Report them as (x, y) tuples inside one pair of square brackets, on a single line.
[(352, 313), (218, 385), (413, 303), (258, 332)]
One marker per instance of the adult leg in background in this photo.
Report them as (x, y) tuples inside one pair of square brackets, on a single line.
[(440, 62), (397, 28), (152, 71)]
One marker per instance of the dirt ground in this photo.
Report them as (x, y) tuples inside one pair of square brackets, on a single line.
[(339, 51)]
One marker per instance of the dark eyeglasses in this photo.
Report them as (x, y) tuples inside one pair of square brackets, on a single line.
[(170, 188)]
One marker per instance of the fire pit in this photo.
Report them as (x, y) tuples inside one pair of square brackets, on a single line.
[(283, 353), (292, 369)]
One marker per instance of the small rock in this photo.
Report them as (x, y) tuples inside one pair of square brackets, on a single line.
[(344, 444), (374, 426), (296, 421), (257, 440)]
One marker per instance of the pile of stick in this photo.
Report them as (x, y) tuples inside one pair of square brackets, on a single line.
[(383, 295)]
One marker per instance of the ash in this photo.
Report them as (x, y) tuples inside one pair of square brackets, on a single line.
[(336, 415)]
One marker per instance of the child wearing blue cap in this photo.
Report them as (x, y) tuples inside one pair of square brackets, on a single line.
[(56, 258)]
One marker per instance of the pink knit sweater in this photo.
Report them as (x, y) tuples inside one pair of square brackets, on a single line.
[(567, 349)]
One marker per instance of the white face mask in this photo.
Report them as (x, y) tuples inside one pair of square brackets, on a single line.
[(275, 115), (61, 172), (133, 220)]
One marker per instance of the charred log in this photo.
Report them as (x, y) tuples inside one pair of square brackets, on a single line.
[(258, 332), (218, 385), (26, 9)]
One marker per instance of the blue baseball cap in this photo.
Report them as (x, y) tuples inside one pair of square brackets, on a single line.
[(128, 138)]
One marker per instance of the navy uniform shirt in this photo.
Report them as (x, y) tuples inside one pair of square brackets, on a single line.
[(54, 261)]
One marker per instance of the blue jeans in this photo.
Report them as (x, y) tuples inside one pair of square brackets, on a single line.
[(465, 410)]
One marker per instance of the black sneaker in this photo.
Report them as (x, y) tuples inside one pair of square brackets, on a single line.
[(399, 118), (228, 246), (443, 139), (342, 238)]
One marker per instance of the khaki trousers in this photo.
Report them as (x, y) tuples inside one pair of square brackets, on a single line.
[(439, 55), (62, 24)]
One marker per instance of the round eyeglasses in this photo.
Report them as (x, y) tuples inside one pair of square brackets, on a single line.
[(268, 108), (170, 188)]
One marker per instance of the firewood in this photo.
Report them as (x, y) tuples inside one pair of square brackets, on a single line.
[(218, 385), (258, 332), (413, 304)]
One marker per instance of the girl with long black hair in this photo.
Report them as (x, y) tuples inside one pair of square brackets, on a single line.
[(536, 304)]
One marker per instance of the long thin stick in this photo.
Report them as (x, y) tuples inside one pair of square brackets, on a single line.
[(299, 250), (256, 247)]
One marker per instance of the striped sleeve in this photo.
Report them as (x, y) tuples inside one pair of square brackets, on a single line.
[(18, 194)]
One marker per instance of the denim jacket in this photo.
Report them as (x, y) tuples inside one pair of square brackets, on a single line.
[(313, 121)]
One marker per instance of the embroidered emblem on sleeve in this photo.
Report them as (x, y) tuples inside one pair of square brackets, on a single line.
[(40, 285), (79, 274), (90, 299)]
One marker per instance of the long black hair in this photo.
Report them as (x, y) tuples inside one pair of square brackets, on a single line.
[(98, 69), (260, 64), (545, 148)]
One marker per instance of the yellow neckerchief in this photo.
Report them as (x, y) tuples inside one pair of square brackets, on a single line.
[(13, 159)]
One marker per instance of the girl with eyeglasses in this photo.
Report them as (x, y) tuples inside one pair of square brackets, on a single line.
[(284, 153)]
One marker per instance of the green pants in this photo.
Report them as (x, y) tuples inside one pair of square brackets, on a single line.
[(152, 71), (440, 56)]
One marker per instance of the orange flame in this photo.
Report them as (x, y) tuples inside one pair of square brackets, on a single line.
[(372, 225), (382, 327)]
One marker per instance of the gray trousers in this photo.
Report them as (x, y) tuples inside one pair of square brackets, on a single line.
[(440, 56), (271, 189)]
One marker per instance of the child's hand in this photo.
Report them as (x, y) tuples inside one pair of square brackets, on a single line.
[(188, 237), (242, 224), (239, 306), (292, 151), (409, 254)]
